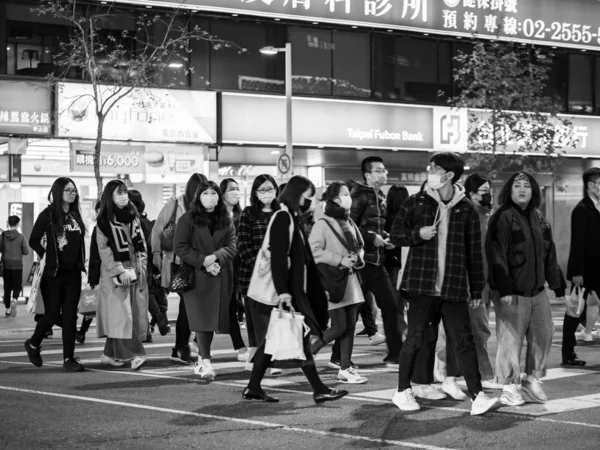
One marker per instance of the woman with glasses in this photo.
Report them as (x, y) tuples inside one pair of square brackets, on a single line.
[(58, 235)]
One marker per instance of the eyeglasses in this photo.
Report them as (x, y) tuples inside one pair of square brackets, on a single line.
[(265, 191), (380, 171), (71, 191)]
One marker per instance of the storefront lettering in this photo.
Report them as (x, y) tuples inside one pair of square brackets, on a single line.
[(377, 8), (86, 158), (141, 115), (26, 118), (377, 134), (418, 7)]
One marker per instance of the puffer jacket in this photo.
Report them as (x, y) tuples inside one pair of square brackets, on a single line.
[(369, 213)]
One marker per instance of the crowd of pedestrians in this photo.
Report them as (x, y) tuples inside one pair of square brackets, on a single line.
[(461, 258)]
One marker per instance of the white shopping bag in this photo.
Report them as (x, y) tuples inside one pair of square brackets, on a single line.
[(575, 302), (285, 336)]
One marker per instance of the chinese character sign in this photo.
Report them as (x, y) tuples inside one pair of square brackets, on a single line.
[(25, 109)]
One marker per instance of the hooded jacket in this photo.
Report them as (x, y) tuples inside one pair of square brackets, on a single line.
[(369, 212), (13, 247)]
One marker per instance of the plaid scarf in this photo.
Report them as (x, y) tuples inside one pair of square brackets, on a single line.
[(342, 217), (124, 230)]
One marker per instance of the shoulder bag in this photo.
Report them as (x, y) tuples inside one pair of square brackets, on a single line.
[(183, 275), (166, 243)]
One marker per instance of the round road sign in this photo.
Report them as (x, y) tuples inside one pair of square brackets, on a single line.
[(284, 164)]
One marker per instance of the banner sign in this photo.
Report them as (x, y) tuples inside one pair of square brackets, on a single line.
[(572, 23), (341, 123), (25, 108), (158, 115), (120, 159)]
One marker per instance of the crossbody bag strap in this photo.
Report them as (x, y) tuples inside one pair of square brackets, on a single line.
[(267, 239), (338, 235)]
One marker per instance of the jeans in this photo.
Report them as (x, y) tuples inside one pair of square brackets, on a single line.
[(424, 315), (13, 283), (59, 293), (368, 314), (182, 327), (525, 317), (376, 279), (343, 324)]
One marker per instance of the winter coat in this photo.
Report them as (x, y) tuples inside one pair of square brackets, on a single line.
[(163, 219), (115, 303), (369, 212), (521, 253), (13, 247), (207, 304), (251, 234), (584, 256)]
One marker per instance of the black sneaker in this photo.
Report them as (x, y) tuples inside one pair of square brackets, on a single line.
[(182, 356), (80, 337), (34, 354), (73, 365)]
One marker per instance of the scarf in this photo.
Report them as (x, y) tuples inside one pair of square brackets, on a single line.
[(124, 230), (341, 215)]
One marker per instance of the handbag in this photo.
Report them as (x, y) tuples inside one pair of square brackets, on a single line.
[(262, 288), (88, 301), (182, 277), (35, 305), (285, 335), (168, 234)]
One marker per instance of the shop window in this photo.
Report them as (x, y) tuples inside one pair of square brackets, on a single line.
[(444, 70), (580, 84), (200, 56), (351, 64), (557, 80), (251, 70), (405, 69), (312, 51)]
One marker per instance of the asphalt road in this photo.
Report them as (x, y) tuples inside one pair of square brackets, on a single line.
[(164, 405)]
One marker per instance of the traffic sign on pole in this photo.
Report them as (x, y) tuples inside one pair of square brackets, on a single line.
[(284, 165)]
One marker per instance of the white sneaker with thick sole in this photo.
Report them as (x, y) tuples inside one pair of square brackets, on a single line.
[(138, 362), (488, 384), (405, 400), (108, 361), (452, 389), (532, 391), (274, 372), (483, 403), (351, 376), (511, 395), (376, 339), (206, 371), (583, 336), (427, 392), (243, 357)]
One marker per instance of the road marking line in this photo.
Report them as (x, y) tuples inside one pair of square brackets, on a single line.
[(258, 423)]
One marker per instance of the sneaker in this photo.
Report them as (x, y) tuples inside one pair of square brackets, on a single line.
[(138, 362), (243, 357), (405, 400), (248, 366), (573, 361), (350, 376), (34, 354), (362, 333), (452, 389), (206, 372), (483, 403), (583, 336), (376, 339), (73, 365), (511, 395), (532, 392), (392, 363), (338, 365), (274, 372), (427, 392), (13, 309), (80, 337), (108, 361), (7, 313), (489, 384), (181, 356)]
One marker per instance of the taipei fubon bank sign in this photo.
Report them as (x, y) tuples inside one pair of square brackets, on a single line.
[(561, 23)]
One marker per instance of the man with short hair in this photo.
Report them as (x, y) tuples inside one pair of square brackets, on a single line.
[(13, 247), (369, 213), (442, 230)]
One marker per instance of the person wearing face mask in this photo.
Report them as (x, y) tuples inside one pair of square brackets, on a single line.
[(336, 241), (231, 198), (521, 259), (122, 313), (205, 239), (444, 268), (368, 211)]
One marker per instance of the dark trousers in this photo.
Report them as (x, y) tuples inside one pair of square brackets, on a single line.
[(424, 315), (13, 284), (376, 279), (60, 294), (157, 299), (234, 327), (182, 327), (569, 342), (343, 324), (367, 314)]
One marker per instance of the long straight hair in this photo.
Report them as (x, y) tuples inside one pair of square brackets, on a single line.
[(199, 213), (294, 189), (107, 205), (55, 197), (237, 209), (190, 189)]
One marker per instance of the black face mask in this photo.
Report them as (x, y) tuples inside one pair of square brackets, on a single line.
[(486, 200), (306, 206)]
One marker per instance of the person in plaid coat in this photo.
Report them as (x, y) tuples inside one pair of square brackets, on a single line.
[(441, 227)]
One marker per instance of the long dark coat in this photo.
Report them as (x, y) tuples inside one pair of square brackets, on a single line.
[(207, 304)]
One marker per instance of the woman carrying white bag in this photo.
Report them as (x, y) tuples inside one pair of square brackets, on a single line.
[(296, 283)]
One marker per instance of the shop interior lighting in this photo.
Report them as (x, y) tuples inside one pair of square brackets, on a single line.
[(275, 152)]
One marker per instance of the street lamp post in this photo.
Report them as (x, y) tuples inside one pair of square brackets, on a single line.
[(289, 147)]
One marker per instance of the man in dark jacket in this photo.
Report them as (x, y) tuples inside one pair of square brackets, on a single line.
[(584, 261), (12, 247), (369, 213), (443, 267)]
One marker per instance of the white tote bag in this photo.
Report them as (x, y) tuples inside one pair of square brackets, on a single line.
[(285, 335), (35, 295), (262, 288)]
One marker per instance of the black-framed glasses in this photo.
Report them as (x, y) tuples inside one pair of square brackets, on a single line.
[(380, 171), (265, 191), (71, 191)]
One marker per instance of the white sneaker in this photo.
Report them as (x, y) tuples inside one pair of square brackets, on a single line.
[(138, 362), (206, 371), (108, 361), (405, 400), (452, 389), (483, 403), (351, 376), (13, 309), (274, 372), (243, 357), (427, 392), (489, 384), (376, 339), (583, 336), (439, 370), (511, 395), (532, 391)]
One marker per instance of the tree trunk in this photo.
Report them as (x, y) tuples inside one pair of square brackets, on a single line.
[(97, 153)]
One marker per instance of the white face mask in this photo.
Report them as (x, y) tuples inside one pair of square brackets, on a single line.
[(209, 201), (345, 201), (266, 199), (121, 200), (434, 181), (232, 197)]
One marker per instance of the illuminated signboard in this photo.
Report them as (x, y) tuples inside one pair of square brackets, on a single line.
[(25, 108), (572, 23)]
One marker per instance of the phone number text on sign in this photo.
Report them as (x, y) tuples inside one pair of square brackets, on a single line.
[(566, 32)]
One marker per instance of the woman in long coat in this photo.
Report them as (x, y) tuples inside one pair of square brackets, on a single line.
[(122, 313), (205, 239)]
